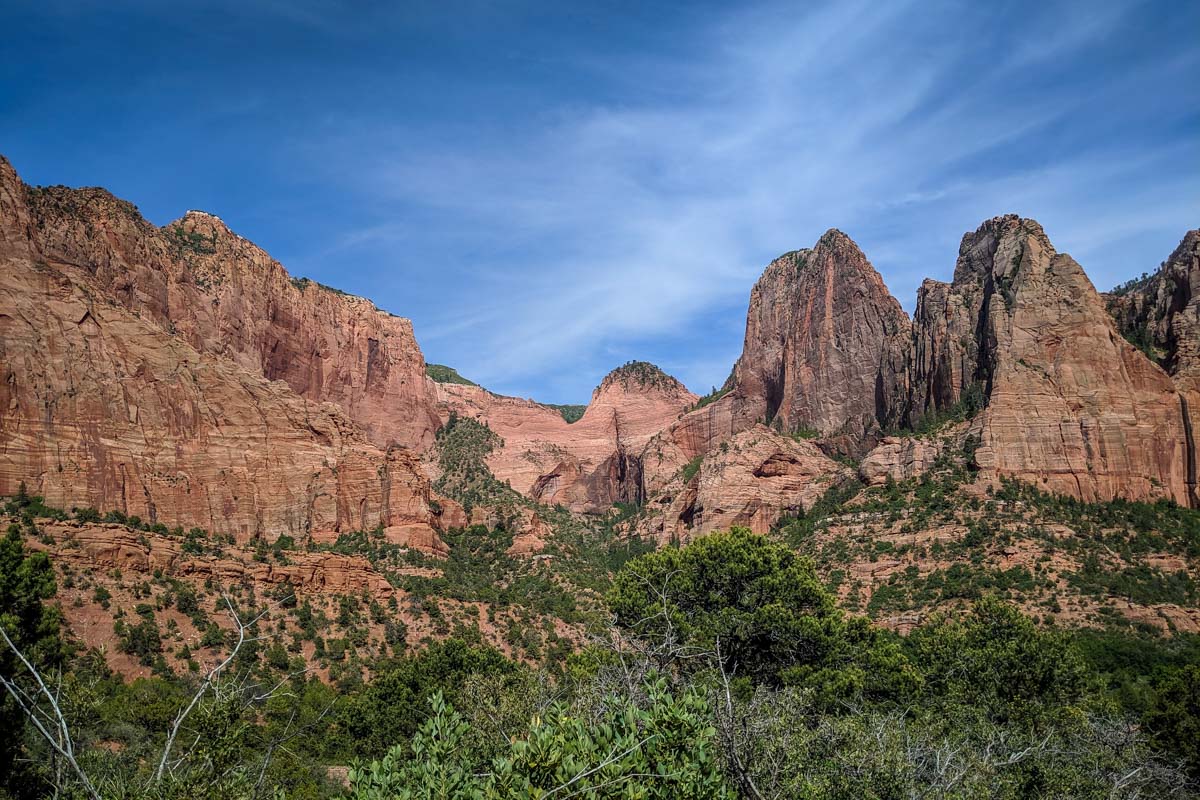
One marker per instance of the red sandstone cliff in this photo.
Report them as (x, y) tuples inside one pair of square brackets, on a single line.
[(1070, 405), (179, 374), (225, 296), (825, 353), (826, 345), (587, 465), (127, 382), (749, 479)]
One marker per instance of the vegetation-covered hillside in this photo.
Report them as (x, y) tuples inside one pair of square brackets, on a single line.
[(730, 672), (443, 374), (917, 639)]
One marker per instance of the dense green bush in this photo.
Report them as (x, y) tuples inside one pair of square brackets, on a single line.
[(390, 709), (760, 612), (663, 750), (26, 582), (996, 662)]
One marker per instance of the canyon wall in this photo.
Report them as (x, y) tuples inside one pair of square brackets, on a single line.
[(118, 392), (587, 465), (180, 374), (226, 297)]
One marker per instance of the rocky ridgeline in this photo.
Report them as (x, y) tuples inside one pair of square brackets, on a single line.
[(587, 465), (1020, 341), (181, 375)]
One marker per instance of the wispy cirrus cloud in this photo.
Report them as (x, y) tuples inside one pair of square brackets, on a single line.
[(603, 226), (551, 189)]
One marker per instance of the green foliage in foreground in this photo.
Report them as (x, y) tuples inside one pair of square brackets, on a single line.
[(662, 751), (978, 705), (731, 674), (761, 612), (26, 581), (997, 663), (393, 705)]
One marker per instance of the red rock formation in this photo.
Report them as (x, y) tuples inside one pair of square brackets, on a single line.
[(101, 404), (902, 457), (587, 465), (749, 479), (825, 350), (944, 358), (1071, 406), (826, 344), (225, 296), (180, 375), (1163, 310), (1163, 314), (530, 538)]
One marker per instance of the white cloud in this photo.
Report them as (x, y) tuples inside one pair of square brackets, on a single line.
[(595, 224)]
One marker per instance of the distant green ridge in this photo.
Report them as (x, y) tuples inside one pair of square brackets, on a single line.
[(571, 413), (640, 374), (443, 374)]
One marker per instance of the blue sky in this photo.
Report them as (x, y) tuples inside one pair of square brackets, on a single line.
[(551, 189)]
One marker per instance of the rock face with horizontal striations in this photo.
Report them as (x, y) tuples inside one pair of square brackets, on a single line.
[(586, 465), (900, 458), (1070, 405), (750, 479), (226, 297), (106, 402)]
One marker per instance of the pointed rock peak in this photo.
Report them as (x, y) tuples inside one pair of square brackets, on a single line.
[(201, 222), (1186, 252), (202, 233), (840, 258), (836, 239), (639, 376), (14, 211), (800, 276), (999, 246), (1005, 226), (834, 246), (8, 174)]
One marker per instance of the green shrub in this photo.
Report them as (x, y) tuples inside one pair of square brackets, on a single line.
[(760, 612), (663, 751), (443, 374)]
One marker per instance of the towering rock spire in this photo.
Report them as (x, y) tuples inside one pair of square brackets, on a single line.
[(1070, 404), (826, 345)]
